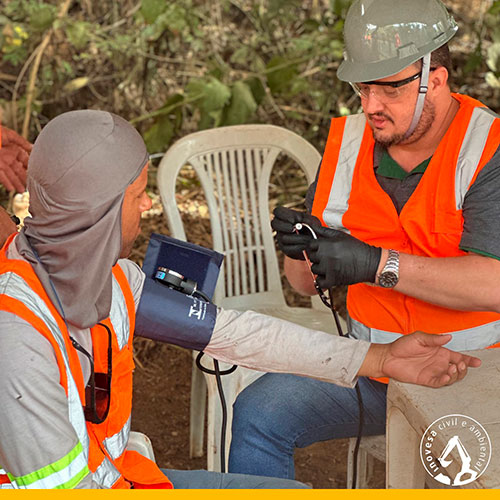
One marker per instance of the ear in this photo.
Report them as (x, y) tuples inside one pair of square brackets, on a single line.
[(438, 80)]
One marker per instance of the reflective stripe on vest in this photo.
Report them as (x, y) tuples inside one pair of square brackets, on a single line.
[(116, 444), (468, 161), (14, 286), (65, 473), (469, 339), (471, 152), (342, 181), (119, 316), (106, 474), (5, 483)]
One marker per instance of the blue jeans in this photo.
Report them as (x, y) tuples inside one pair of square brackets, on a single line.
[(279, 412), (202, 479)]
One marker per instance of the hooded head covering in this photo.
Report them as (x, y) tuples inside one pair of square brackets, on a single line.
[(80, 166)]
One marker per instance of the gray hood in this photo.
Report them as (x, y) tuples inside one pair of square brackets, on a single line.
[(81, 164)]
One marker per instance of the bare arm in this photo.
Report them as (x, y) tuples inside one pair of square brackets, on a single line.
[(468, 283), (418, 358), (298, 275)]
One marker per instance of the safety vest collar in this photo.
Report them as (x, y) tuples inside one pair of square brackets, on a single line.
[(350, 139), (348, 197)]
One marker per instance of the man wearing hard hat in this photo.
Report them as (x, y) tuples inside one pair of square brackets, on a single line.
[(406, 208)]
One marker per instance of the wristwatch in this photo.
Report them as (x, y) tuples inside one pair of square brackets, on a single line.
[(389, 276)]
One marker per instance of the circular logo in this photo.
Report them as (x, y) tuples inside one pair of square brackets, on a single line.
[(459, 459)]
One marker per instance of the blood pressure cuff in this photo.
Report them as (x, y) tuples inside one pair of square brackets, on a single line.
[(167, 315)]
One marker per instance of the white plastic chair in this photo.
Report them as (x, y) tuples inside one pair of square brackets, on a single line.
[(234, 166), (370, 448), (139, 442)]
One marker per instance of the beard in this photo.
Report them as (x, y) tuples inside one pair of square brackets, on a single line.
[(423, 125)]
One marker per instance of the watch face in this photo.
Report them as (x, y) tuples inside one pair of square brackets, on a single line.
[(388, 279)]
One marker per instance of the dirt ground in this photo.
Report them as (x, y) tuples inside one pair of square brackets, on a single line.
[(162, 392)]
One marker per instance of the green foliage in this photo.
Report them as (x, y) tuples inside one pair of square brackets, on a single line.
[(281, 74), (491, 20), (209, 96), (340, 7), (41, 16), (493, 52), (151, 9), (13, 42), (242, 106), (172, 67), (78, 33), (167, 125)]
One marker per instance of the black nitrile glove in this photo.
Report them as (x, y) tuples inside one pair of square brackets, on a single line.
[(289, 242), (341, 259)]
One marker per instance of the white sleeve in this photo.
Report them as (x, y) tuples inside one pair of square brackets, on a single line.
[(269, 344)]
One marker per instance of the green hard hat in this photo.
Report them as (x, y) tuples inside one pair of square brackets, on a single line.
[(382, 37)]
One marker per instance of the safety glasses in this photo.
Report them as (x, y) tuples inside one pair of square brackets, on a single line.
[(384, 91), (98, 390)]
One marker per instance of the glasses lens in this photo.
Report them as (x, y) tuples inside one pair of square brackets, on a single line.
[(97, 398), (384, 93)]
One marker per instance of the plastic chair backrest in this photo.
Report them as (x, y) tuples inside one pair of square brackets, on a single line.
[(234, 166)]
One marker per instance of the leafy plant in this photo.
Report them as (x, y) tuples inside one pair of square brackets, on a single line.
[(493, 52), (176, 67)]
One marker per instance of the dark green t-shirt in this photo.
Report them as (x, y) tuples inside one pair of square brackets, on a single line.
[(481, 207)]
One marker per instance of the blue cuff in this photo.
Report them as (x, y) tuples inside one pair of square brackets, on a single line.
[(167, 315)]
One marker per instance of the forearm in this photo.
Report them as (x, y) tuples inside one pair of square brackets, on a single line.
[(264, 343), (468, 283), (373, 363), (299, 276)]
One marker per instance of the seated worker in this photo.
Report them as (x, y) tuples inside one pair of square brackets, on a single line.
[(410, 194), (14, 154), (67, 314)]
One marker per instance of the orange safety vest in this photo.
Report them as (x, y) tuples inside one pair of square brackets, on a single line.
[(349, 198), (102, 446)]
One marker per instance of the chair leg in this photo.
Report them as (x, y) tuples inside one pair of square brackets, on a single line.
[(364, 466), (197, 412)]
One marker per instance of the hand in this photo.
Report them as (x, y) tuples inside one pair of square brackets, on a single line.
[(340, 259), (419, 358), (289, 242), (14, 155)]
